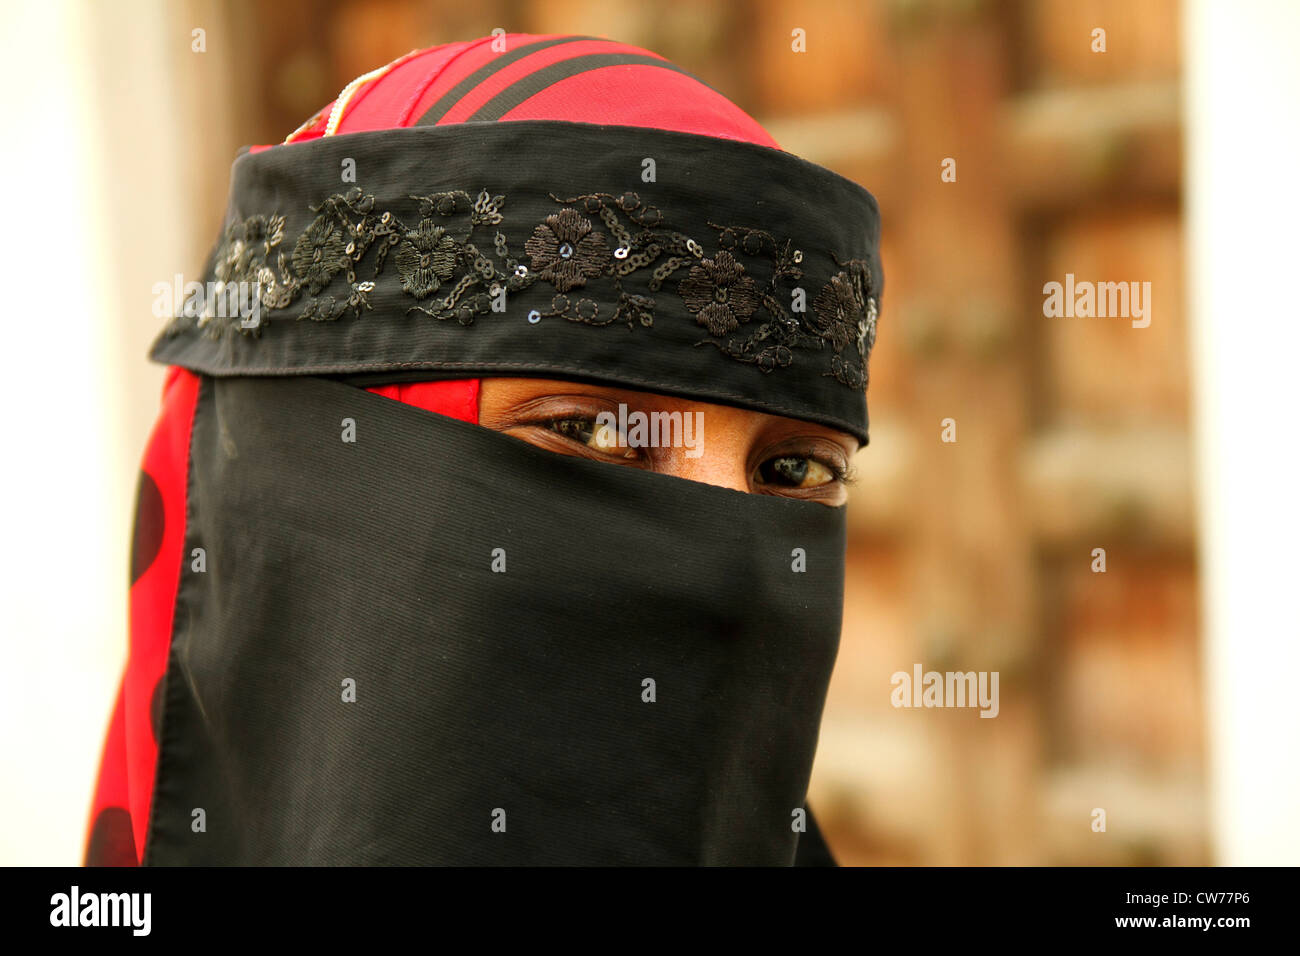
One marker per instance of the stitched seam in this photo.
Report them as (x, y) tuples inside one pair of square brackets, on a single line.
[(359, 95), (405, 117)]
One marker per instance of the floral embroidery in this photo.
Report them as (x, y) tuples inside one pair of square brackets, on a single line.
[(748, 295), (565, 250), (836, 309), (719, 293), (426, 259), (318, 254)]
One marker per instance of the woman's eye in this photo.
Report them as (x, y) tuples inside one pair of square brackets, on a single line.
[(597, 436), (795, 471)]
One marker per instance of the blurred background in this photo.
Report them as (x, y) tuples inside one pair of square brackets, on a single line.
[(1160, 151)]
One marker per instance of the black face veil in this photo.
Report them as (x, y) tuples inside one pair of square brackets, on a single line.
[(401, 638), (441, 645)]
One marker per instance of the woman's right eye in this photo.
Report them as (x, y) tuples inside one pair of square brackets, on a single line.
[(598, 436)]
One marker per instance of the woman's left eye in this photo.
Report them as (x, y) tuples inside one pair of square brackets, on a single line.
[(796, 471)]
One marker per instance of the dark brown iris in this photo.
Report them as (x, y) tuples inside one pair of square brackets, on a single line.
[(784, 471)]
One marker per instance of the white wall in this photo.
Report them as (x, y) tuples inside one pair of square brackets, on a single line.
[(1243, 136), (93, 199)]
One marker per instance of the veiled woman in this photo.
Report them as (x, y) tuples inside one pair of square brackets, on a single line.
[(503, 523)]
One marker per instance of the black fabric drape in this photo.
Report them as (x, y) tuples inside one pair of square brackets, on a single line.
[(513, 696)]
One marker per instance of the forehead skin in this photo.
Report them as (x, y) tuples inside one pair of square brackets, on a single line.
[(735, 439)]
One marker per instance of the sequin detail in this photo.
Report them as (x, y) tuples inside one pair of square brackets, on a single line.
[(743, 287)]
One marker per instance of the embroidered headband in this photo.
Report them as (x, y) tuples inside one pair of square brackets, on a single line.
[(659, 260)]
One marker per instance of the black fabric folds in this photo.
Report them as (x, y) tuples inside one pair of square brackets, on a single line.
[(500, 716)]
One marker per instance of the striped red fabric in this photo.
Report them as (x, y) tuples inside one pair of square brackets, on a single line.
[(555, 77)]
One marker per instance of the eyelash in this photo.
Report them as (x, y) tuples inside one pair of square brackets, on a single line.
[(841, 473)]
